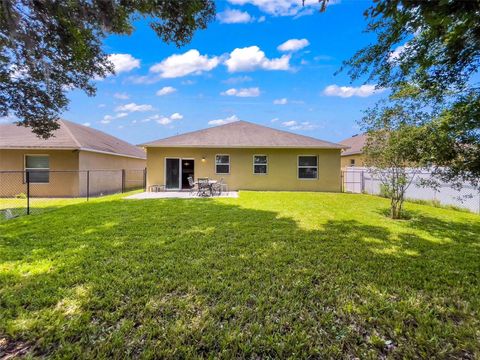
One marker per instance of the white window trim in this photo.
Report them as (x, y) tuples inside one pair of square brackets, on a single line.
[(25, 168), (266, 164), (229, 170), (304, 166)]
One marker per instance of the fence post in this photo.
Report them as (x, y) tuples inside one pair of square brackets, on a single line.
[(123, 181), (27, 177), (88, 185), (145, 179)]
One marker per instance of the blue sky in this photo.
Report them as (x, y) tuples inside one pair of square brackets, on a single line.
[(236, 69)]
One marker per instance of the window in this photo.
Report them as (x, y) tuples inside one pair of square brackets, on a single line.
[(38, 168), (222, 164), (352, 162), (307, 167), (260, 164)]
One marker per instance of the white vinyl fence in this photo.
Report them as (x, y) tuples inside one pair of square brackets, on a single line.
[(360, 180)]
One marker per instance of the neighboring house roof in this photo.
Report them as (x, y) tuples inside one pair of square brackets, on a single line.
[(69, 136), (355, 144), (242, 134)]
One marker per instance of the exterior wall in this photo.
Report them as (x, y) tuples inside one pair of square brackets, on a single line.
[(359, 160), (61, 184), (108, 177), (282, 168)]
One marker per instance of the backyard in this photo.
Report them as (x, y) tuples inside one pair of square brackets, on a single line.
[(263, 275)]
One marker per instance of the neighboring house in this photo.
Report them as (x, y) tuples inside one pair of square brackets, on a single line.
[(57, 166), (353, 156), (247, 156)]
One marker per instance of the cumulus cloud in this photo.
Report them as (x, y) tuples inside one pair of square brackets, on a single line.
[(226, 120), (123, 62), (234, 16), (294, 125), (349, 91), (281, 101), (107, 119), (121, 96), (283, 7), (87, 124), (132, 107), (179, 65), (252, 58), (293, 45), (395, 54), (166, 90), (164, 120), (245, 92)]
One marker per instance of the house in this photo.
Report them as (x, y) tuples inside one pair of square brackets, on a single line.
[(353, 155), (58, 166), (247, 156)]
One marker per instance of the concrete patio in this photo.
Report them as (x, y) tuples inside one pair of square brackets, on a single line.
[(179, 195)]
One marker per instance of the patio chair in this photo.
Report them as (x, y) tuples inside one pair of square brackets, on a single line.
[(192, 185), (218, 187), (204, 188)]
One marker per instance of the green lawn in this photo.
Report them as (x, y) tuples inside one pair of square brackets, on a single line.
[(265, 275)]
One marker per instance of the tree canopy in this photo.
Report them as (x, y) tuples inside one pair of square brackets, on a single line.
[(48, 47), (428, 53)]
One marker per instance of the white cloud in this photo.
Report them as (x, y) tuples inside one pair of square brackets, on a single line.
[(293, 45), (132, 107), (274, 120), (245, 92), (87, 124), (226, 120), (164, 120), (179, 65), (166, 90), (121, 96), (123, 62), (349, 91), (252, 58), (395, 54), (237, 80), (282, 7), (294, 125), (176, 116), (107, 119), (281, 101), (234, 16)]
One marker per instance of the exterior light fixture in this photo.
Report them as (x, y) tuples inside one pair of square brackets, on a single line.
[(203, 158)]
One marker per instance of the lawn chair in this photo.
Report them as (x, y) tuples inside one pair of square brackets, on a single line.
[(218, 187), (204, 188), (191, 185)]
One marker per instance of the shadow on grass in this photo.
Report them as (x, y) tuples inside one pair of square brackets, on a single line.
[(182, 278)]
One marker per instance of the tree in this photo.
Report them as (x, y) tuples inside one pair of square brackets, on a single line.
[(391, 151), (428, 53), (47, 47)]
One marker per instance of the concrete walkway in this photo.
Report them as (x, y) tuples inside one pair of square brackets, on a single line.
[(178, 195)]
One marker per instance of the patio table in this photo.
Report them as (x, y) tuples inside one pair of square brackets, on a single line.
[(210, 183)]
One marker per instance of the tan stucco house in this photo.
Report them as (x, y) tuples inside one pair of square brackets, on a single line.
[(353, 156), (248, 157), (57, 166)]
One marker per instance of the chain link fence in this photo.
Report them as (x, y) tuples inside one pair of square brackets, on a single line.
[(361, 180), (33, 191)]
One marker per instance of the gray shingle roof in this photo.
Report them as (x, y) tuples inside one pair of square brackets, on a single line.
[(242, 134), (355, 144), (70, 136)]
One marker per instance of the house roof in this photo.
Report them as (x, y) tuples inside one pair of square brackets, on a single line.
[(355, 144), (69, 136), (242, 134)]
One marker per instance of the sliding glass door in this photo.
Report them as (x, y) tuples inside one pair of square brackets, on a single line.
[(172, 173)]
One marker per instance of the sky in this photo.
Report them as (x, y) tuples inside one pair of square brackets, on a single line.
[(270, 62)]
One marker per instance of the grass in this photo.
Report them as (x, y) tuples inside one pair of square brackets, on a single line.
[(265, 275)]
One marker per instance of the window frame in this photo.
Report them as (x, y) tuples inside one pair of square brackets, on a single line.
[(305, 166), (253, 164), (352, 163), (25, 169), (228, 164)]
